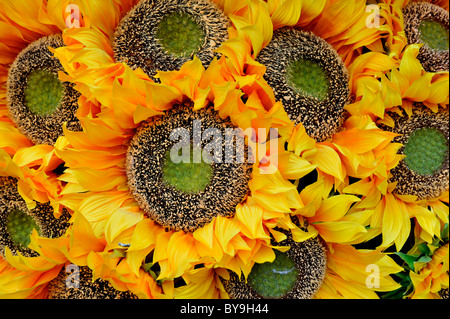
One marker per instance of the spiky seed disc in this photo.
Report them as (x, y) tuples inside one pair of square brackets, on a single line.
[(309, 258), (174, 207), (17, 221), (429, 24), (275, 279), (187, 176), (310, 79), (425, 139), (77, 283), (38, 102), (163, 35), (443, 293), (20, 225)]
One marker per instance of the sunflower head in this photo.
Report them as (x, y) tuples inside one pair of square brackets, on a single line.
[(310, 79), (38, 101), (163, 35), (17, 222), (425, 138), (428, 24), (77, 283), (176, 177), (294, 274)]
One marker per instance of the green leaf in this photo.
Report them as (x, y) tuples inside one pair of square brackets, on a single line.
[(444, 233), (403, 291), (424, 259), (424, 249), (409, 259)]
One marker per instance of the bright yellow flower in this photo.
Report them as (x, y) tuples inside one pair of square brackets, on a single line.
[(432, 278), (36, 277), (113, 105)]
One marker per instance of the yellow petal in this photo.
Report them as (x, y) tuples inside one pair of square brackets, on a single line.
[(334, 208), (328, 161), (284, 12), (339, 232)]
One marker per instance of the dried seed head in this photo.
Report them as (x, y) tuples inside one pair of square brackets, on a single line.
[(428, 24), (80, 285), (425, 138), (278, 280), (443, 293), (173, 198), (310, 79), (38, 102), (17, 221), (163, 35)]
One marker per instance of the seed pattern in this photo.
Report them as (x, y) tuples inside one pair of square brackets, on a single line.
[(40, 129), (136, 39), (20, 226), (43, 93), (310, 260), (83, 288), (414, 15), (167, 205), (321, 117), (425, 151), (42, 216), (275, 279), (408, 181)]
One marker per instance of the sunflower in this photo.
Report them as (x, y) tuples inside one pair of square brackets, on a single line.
[(34, 101), (61, 270), (393, 88), (425, 274), (169, 221), (164, 35), (431, 281), (317, 258), (428, 24)]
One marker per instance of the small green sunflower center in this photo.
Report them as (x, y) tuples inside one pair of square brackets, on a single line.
[(307, 78), (180, 34), (43, 93), (275, 279), (19, 226), (426, 150), (186, 175), (434, 34)]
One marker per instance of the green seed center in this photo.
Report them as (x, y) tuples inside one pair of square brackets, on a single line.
[(43, 93), (20, 226), (180, 34), (275, 279), (307, 78), (426, 150), (186, 175), (434, 34)]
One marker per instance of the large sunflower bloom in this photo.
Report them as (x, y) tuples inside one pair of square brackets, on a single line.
[(329, 266), (394, 88), (48, 274), (23, 25), (114, 105)]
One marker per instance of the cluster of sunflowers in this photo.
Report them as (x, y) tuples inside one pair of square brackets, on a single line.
[(340, 110)]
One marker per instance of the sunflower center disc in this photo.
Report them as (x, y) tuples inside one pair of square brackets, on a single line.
[(187, 176), (43, 93), (425, 151), (20, 225), (185, 191), (434, 34), (275, 279), (307, 78), (180, 34)]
